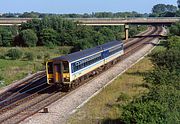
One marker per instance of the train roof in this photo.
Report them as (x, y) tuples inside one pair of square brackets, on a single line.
[(87, 52)]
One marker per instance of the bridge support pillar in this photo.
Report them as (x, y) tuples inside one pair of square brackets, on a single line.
[(126, 28)]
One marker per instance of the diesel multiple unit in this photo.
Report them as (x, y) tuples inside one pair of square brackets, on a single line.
[(69, 68)]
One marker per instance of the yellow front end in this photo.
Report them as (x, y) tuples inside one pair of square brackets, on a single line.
[(49, 72), (57, 72)]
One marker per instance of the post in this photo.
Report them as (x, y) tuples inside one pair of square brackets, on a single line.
[(126, 28), (45, 110)]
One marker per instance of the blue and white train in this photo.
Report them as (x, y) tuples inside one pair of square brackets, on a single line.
[(69, 68)]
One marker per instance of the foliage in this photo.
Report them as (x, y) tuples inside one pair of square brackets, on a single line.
[(161, 8), (53, 30), (1, 41), (29, 37), (48, 37), (46, 57), (173, 43), (169, 59), (6, 37), (175, 29), (178, 2), (123, 97), (163, 76), (14, 54), (29, 15), (144, 113), (28, 56), (1, 78), (39, 57), (161, 104)]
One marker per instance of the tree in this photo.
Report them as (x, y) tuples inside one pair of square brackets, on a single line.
[(178, 2), (6, 38), (108, 33), (49, 36), (1, 43), (177, 14), (162, 8), (30, 15), (159, 8), (29, 37), (175, 29), (171, 8)]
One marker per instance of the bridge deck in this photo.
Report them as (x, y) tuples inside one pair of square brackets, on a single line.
[(99, 21)]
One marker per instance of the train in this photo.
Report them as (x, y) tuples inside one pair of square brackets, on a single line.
[(69, 69)]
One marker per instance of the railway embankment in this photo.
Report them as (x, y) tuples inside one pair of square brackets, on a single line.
[(62, 109)]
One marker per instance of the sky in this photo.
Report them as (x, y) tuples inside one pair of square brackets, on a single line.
[(79, 6)]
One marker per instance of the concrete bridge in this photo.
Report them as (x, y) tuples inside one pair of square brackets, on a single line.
[(103, 21), (13, 21), (100, 21), (125, 21)]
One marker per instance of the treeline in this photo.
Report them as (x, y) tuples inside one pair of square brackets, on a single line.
[(56, 31), (159, 10), (73, 15), (163, 10), (162, 104)]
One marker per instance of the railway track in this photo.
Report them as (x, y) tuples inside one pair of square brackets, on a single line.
[(18, 107), (21, 86)]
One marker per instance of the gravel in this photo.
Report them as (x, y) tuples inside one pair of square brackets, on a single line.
[(15, 83), (62, 109)]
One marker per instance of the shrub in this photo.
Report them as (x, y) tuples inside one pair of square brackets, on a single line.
[(64, 51), (39, 56), (14, 54), (29, 56), (29, 37), (2, 56), (1, 78), (144, 112), (46, 57)]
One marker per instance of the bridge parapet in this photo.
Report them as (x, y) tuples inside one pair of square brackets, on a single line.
[(118, 21), (99, 21)]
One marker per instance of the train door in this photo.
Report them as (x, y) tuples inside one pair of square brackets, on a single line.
[(58, 76), (66, 75)]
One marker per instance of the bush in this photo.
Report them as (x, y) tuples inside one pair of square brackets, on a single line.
[(64, 51), (29, 56), (14, 54), (144, 112), (2, 56), (39, 56), (29, 38), (160, 105), (1, 78), (46, 56)]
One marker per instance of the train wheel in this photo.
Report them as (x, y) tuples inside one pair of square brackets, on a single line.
[(65, 87)]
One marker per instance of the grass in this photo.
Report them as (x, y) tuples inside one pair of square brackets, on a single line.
[(106, 107), (11, 70), (160, 47)]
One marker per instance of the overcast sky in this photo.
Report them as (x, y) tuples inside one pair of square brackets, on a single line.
[(80, 6)]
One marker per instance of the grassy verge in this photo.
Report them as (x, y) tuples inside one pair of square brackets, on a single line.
[(107, 106), (11, 70)]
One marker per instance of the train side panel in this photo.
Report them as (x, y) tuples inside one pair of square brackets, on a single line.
[(86, 70), (105, 59)]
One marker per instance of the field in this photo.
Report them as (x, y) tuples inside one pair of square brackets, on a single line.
[(107, 106), (11, 70)]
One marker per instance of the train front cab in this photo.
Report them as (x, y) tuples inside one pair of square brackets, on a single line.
[(57, 72)]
